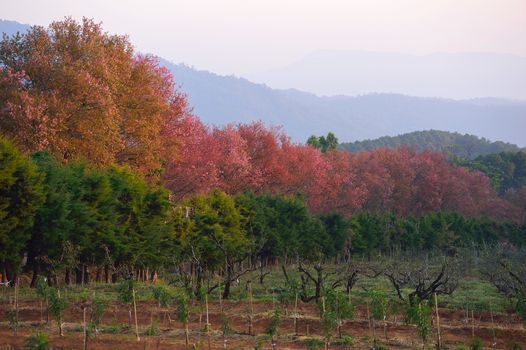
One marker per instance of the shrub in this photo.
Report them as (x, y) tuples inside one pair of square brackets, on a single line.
[(37, 341)]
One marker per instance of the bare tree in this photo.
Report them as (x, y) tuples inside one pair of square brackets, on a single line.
[(424, 277), (505, 268)]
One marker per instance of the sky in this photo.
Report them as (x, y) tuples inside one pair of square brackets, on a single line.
[(246, 36)]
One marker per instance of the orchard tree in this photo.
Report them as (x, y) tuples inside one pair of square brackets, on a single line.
[(503, 266), (418, 282)]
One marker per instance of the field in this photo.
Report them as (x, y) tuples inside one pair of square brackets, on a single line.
[(474, 311)]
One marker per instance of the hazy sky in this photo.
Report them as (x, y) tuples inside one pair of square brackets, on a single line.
[(241, 36)]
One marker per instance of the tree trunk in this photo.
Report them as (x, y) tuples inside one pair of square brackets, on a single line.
[(106, 274), (67, 277)]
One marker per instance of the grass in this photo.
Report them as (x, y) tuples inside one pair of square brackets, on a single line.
[(471, 292)]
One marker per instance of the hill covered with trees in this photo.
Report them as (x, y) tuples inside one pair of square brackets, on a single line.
[(459, 145), (104, 166), (506, 170)]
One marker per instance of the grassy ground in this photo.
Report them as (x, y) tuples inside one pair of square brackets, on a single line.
[(471, 292)]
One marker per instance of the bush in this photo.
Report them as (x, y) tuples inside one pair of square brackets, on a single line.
[(38, 341), (475, 344), (313, 343), (345, 340), (152, 330)]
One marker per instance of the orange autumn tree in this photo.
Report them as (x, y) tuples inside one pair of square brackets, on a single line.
[(82, 93)]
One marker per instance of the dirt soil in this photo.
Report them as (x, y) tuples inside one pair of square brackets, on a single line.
[(500, 333)]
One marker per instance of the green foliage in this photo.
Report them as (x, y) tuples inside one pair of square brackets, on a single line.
[(463, 146), (419, 315), (446, 231), (125, 290), (21, 195), (12, 318), (506, 170), (114, 329), (346, 340), (98, 309), (329, 322), (225, 324), (323, 143), (313, 343), (520, 305), (37, 341), (42, 288), (183, 308), (153, 329), (290, 292), (379, 304), (163, 295), (57, 303), (475, 344), (274, 322), (337, 301)]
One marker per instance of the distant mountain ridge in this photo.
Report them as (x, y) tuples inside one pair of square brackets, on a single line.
[(12, 27), (223, 99), (228, 99), (461, 75), (463, 146)]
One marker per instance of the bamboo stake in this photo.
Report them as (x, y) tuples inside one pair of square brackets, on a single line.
[(135, 312), (439, 344)]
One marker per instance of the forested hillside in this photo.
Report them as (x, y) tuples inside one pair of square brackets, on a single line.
[(459, 145), (506, 170)]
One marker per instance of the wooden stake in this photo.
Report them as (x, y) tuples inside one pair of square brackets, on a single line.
[(251, 309), (60, 317), (207, 321), (41, 313), (439, 340), (17, 282), (492, 327), (473, 323), (135, 312), (187, 339), (220, 296), (85, 329), (296, 315), (369, 319)]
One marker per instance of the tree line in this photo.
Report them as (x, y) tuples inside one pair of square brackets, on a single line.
[(124, 180), (453, 143), (82, 94), (80, 222)]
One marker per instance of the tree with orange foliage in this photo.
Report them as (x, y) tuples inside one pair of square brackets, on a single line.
[(82, 93)]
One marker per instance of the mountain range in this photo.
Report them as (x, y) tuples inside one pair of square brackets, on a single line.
[(457, 75), (219, 100)]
